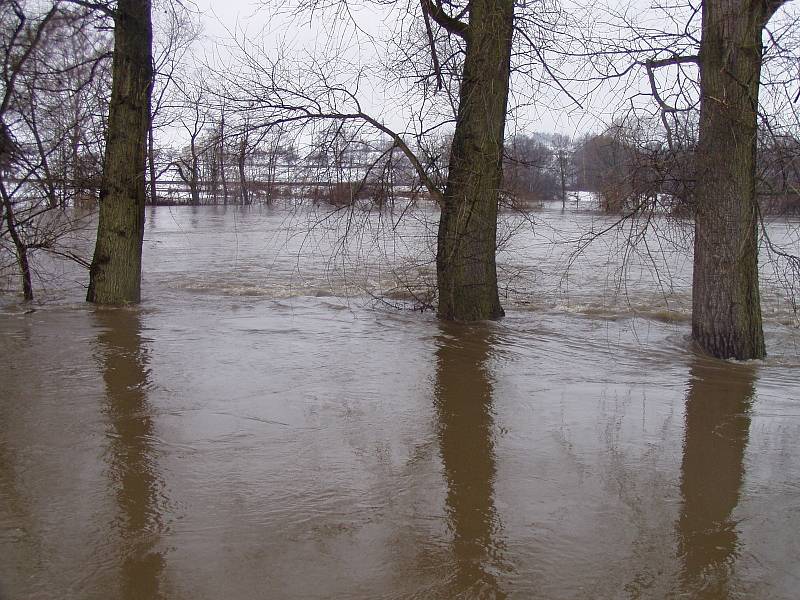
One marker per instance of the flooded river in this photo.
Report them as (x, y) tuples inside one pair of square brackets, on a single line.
[(275, 421)]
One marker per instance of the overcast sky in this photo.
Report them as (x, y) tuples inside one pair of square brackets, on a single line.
[(250, 19), (222, 18)]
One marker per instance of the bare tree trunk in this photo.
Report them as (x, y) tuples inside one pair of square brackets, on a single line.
[(211, 169), (223, 177), (194, 184), (151, 160), (190, 178), (465, 259), (116, 272), (222, 174), (726, 309), (272, 169), (74, 149), (242, 174), (20, 247), (77, 172)]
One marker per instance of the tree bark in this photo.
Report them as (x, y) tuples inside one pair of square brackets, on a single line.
[(116, 271), (726, 309), (467, 240)]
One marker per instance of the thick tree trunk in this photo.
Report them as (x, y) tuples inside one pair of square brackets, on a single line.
[(467, 242), (116, 271), (726, 310)]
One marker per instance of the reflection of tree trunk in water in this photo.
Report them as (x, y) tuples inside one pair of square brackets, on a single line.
[(463, 396), (717, 426), (132, 457)]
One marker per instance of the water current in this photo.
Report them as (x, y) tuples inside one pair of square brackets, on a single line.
[(281, 417)]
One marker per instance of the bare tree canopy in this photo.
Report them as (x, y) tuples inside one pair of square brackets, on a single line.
[(54, 75)]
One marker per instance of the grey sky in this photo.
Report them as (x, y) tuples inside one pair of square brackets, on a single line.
[(250, 19), (221, 18)]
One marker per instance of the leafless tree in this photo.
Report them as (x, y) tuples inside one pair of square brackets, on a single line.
[(175, 31), (449, 67), (704, 89), (52, 67), (530, 174), (193, 120)]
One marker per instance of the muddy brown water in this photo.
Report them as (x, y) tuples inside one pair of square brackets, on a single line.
[(263, 427)]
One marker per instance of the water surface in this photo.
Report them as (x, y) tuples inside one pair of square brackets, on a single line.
[(263, 427)]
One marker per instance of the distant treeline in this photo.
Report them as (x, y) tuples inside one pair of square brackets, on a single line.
[(538, 168)]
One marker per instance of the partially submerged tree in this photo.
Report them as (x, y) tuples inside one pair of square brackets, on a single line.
[(562, 150), (193, 121), (52, 65), (726, 307), (175, 30), (531, 172), (450, 64), (20, 41), (115, 274), (702, 80), (465, 258)]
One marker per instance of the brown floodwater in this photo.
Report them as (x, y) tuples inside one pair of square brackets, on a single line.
[(264, 426)]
